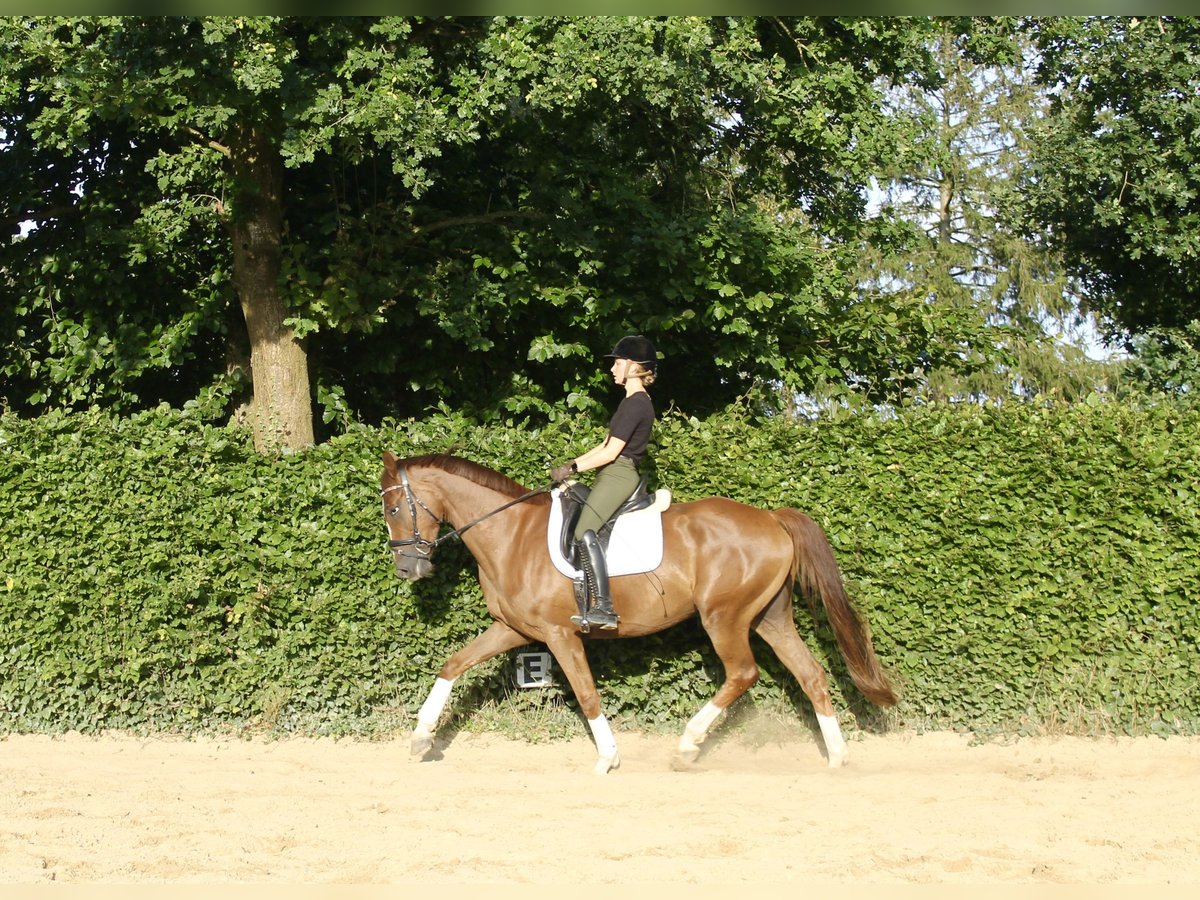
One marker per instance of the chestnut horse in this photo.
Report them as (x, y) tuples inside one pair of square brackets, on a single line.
[(733, 564)]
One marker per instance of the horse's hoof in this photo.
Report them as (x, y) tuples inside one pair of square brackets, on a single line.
[(605, 763), (685, 760), (686, 755), (837, 760), (421, 747)]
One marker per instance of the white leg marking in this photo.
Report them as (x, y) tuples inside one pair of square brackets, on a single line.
[(431, 709), (606, 745), (697, 729), (835, 746)]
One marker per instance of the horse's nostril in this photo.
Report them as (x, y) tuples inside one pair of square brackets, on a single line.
[(414, 570)]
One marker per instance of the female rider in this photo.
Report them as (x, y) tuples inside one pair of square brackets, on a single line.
[(635, 364)]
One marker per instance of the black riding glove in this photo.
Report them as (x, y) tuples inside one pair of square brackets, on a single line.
[(559, 474)]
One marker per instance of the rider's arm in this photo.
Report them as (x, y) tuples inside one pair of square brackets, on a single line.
[(600, 455)]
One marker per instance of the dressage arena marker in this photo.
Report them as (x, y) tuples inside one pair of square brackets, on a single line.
[(533, 670)]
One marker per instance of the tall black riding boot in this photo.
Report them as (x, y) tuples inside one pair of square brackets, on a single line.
[(595, 568)]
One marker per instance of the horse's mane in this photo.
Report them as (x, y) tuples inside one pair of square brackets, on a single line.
[(473, 471)]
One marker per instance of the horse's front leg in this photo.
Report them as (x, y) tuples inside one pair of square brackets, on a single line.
[(496, 640), (572, 659)]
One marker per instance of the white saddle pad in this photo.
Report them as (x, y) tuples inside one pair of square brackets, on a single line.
[(636, 544)]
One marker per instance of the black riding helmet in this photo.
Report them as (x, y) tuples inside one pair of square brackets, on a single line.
[(638, 348)]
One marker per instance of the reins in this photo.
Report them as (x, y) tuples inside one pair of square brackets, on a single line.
[(414, 501), (457, 532)]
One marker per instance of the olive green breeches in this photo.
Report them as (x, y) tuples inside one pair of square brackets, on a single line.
[(614, 485)]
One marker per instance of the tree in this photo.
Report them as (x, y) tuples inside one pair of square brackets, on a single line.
[(952, 185), (651, 175), (207, 113), (1113, 182), (470, 211)]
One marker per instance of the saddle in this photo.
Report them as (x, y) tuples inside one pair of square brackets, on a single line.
[(632, 538)]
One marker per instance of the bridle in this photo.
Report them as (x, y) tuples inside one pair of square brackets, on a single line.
[(424, 546)]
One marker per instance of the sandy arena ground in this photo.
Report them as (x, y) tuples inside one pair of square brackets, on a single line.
[(926, 809)]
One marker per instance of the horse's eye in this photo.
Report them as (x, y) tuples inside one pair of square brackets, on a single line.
[(392, 510)]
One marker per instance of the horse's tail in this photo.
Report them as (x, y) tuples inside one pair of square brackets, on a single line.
[(816, 572)]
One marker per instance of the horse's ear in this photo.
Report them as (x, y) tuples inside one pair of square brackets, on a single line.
[(389, 462)]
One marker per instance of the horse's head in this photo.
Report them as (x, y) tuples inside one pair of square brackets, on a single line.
[(404, 513)]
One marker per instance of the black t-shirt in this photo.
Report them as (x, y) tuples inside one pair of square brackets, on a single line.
[(632, 423)]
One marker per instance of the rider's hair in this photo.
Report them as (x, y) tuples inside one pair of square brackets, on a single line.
[(639, 371)]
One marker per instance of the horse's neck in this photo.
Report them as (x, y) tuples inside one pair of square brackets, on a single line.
[(464, 501)]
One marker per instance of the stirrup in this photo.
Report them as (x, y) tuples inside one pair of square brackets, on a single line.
[(602, 620), (605, 621), (581, 601)]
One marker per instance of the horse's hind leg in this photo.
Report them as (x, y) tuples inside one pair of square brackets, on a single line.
[(778, 629), (496, 640), (732, 643)]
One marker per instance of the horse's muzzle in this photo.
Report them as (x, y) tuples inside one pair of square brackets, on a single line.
[(412, 568)]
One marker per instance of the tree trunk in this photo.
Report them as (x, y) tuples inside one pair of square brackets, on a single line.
[(945, 210), (281, 411)]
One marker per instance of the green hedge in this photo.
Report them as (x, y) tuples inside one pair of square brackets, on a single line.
[(1022, 568)]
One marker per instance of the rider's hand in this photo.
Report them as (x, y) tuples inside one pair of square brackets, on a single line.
[(559, 474)]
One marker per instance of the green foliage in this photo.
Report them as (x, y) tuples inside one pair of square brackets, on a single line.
[(1022, 568), (473, 208), (948, 244), (1167, 360), (1113, 181)]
